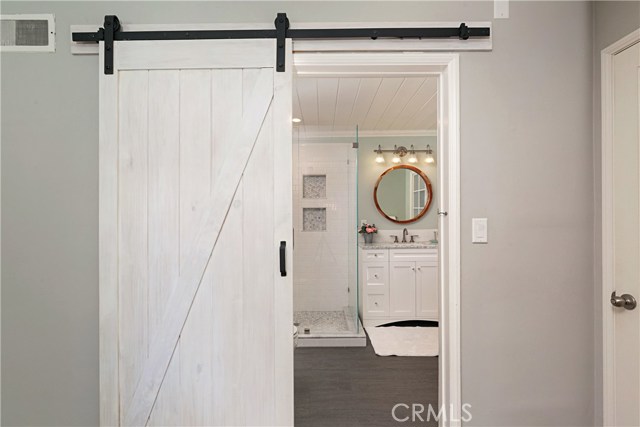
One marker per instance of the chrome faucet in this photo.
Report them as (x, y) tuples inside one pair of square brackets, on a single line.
[(405, 232)]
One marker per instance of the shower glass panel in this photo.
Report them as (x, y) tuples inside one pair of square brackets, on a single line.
[(353, 232), (325, 265)]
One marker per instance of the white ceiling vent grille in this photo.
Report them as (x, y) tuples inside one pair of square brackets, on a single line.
[(27, 33)]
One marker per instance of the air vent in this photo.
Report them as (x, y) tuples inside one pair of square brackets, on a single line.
[(27, 33)]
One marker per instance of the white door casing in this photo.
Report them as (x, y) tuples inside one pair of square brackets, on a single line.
[(195, 197), (621, 229), (386, 60)]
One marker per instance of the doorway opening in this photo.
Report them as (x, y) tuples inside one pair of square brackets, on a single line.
[(376, 220)]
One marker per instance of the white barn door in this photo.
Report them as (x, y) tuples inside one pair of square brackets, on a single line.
[(195, 200)]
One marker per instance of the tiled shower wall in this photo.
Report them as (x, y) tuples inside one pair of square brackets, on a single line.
[(324, 217)]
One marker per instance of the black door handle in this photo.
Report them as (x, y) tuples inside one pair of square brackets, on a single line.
[(283, 258)]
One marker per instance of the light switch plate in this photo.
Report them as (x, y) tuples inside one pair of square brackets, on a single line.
[(501, 9), (479, 233)]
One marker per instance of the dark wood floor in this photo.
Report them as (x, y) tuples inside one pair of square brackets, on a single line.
[(350, 387)]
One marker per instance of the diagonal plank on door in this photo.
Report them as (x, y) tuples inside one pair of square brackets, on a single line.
[(211, 222)]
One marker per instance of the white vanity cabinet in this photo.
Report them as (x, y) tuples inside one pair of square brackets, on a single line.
[(398, 284)]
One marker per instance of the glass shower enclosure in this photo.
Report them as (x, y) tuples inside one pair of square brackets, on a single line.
[(325, 251)]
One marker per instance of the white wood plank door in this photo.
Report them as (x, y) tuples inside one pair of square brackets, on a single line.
[(195, 198)]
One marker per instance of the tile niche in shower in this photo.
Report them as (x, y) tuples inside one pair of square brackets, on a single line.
[(314, 219), (314, 187)]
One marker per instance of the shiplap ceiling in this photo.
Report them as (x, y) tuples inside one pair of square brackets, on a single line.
[(384, 106)]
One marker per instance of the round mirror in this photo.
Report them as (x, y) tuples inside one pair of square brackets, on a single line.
[(403, 194)]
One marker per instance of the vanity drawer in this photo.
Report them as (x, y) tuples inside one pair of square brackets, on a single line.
[(414, 255), (375, 255), (376, 305), (375, 273)]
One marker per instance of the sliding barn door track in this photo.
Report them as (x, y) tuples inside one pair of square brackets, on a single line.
[(112, 32)]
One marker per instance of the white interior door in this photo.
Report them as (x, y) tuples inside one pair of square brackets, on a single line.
[(626, 235), (195, 198)]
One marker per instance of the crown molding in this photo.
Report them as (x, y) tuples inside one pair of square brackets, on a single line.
[(364, 134)]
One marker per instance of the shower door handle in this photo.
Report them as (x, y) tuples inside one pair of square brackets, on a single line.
[(283, 258)]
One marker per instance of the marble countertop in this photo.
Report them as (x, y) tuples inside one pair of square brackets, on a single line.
[(391, 245)]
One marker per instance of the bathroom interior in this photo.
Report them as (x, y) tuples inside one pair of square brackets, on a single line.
[(365, 201)]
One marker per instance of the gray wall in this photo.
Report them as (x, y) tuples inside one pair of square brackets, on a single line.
[(612, 20), (527, 296), (527, 165)]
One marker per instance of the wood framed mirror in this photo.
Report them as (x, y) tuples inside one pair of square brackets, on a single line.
[(403, 194)]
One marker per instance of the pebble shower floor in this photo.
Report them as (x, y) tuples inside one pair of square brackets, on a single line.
[(322, 322)]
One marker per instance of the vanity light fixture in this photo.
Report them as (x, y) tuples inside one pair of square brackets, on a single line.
[(379, 156), (398, 154), (296, 120), (412, 156), (429, 158)]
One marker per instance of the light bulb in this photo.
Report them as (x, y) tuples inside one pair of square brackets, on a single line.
[(412, 156), (379, 158), (429, 158), (396, 159), (296, 120)]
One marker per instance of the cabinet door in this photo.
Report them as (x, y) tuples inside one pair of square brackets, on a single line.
[(402, 289), (427, 290)]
